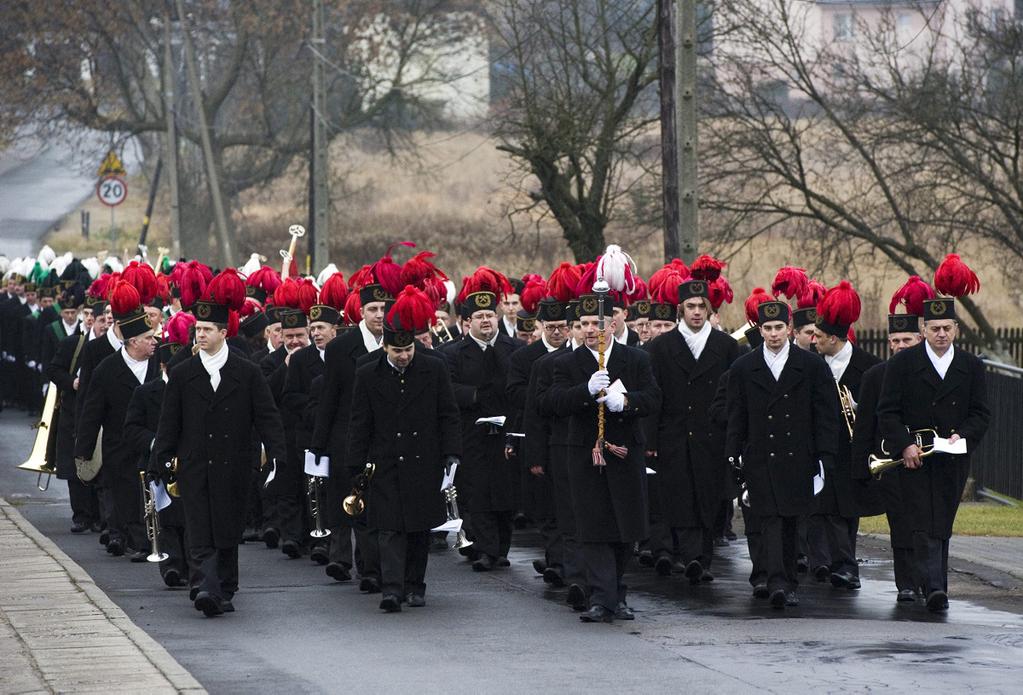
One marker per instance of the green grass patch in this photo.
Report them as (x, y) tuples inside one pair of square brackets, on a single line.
[(973, 519)]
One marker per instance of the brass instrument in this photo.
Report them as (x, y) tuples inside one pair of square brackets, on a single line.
[(39, 461), (454, 518), (878, 465), (355, 503), (296, 231), (848, 409), (314, 495), (441, 332), (172, 484), (739, 334), (152, 518)]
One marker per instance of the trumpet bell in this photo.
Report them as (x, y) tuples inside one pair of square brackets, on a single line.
[(157, 557), (353, 505), (317, 533)]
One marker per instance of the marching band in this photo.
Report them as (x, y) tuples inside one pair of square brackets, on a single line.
[(357, 422)]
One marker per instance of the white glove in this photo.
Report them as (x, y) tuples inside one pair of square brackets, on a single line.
[(598, 382), (615, 402)]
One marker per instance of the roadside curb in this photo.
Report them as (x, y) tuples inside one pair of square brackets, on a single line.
[(999, 574), (160, 658)]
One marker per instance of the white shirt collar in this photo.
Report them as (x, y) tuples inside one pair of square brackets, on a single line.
[(695, 340), (840, 360), (543, 339), (114, 341), (509, 326), (624, 340), (484, 345), (323, 354), (368, 339), (138, 368), (395, 367), (776, 361), (69, 329), (607, 352), (941, 364)]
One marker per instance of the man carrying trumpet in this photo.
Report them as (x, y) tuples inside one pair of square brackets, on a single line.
[(933, 386)]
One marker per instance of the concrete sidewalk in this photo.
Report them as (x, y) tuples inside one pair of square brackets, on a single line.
[(60, 633), (1002, 554)]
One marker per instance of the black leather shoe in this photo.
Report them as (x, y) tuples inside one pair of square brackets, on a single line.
[(227, 606), (721, 542), (467, 551), (730, 535), (415, 600), (663, 566), (291, 549), (760, 591), (822, 573), (335, 570), (937, 601), (116, 547), (791, 600), (390, 604), (104, 537), (251, 535), (706, 577), (540, 567), (646, 558), (271, 537), (369, 585), (484, 564), (694, 570), (96, 527), (319, 555), (802, 564), (906, 596), (172, 578), (193, 593), (502, 562), (520, 521), (209, 604), (597, 614), (138, 556), (576, 598), (854, 582), (623, 612), (841, 580), (79, 527), (553, 577), (778, 598)]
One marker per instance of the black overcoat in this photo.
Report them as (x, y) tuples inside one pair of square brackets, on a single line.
[(537, 491), (691, 465), (610, 502), (406, 424), (93, 352), (781, 428), (546, 432), (61, 372), (211, 435), (914, 397), (140, 425)]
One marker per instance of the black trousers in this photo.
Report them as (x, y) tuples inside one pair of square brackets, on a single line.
[(121, 494), (553, 542), (660, 543), (905, 569), (340, 550), (778, 551), (930, 557), (174, 542), (367, 551), (403, 557), (288, 517), (605, 565), (84, 501), (754, 541), (493, 532), (696, 543), (832, 542), (214, 570)]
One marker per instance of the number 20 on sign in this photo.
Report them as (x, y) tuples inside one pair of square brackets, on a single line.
[(111, 190)]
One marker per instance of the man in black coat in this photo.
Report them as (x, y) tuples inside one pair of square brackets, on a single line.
[(691, 467), (903, 333), (211, 404), (489, 483), (832, 528), (933, 386), (537, 488), (304, 366), (405, 422), (782, 424), (106, 402), (609, 501), (330, 437)]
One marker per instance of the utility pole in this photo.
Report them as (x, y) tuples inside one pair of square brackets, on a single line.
[(320, 166), (171, 144), (223, 237), (685, 127), (669, 148)]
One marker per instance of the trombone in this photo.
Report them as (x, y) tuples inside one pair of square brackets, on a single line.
[(355, 503), (152, 517), (39, 461), (441, 332), (878, 465), (314, 494)]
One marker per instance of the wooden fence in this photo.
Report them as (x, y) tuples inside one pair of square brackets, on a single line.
[(875, 341)]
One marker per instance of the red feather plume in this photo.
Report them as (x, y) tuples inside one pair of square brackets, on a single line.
[(954, 278), (671, 275), (163, 287), (719, 292), (306, 293), (176, 329), (840, 306), (250, 307), (641, 291), (413, 308), (227, 288), (790, 281), (532, 293), (287, 294), (360, 278), (334, 291), (912, 295), (756, 298), (706, 268), (266, 279), (142, 278), (562, 282), (811, 295), (124, 298), (485, 279), (353, 309), (100, 287), (192, 282), (388, 273)]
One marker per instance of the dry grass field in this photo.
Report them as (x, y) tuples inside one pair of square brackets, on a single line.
[(452, 197)]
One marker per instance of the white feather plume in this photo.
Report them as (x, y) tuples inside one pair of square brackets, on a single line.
[(618, 269), (325, 274), (251, 265)]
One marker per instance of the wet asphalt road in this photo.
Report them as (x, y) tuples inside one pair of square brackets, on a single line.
[(297, 630)]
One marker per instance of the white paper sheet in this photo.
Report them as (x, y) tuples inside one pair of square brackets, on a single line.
[(943, 445), (273, 473), (496, 420), (160, 496), (449, 477), (818, 480), (316, 466), (453, 526), (617, 387)]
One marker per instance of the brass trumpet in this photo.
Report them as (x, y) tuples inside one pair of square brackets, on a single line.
[(878, 465), (451, 500), (848, 409), (355, 503), (152, 517), (314, 495)]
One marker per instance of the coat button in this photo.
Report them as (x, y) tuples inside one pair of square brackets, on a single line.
[(770, 417), (401, 458), (772, 454), (786, 395), (399, 435), (770, 436), (415, 434)]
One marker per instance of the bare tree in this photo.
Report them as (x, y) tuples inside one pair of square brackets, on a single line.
[(581, 78)]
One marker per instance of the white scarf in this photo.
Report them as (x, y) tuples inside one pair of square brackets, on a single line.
[(138, 368), (114, 341), (213, 364), (840, 360), (696, 341), (941, 364), (776, 360), (368, 339), (69, 329)]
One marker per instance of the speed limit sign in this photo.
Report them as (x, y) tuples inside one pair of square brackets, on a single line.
[(111, 190)]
